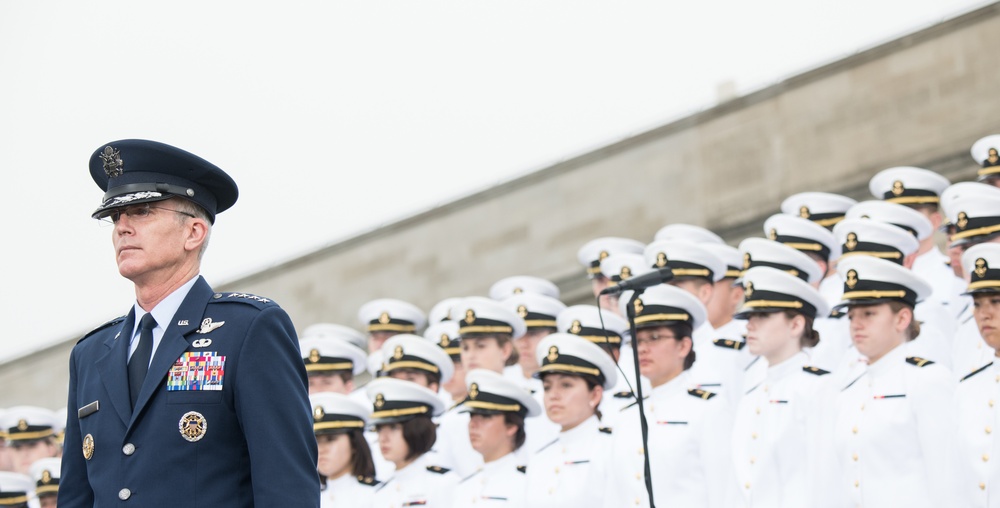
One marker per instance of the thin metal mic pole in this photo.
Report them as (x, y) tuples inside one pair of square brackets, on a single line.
[(630, 311)]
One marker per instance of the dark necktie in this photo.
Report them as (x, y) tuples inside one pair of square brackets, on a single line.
[(139, 363)]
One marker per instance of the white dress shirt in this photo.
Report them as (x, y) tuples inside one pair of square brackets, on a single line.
[(570, 472), (499, 483), (418, 484), (978, 449)]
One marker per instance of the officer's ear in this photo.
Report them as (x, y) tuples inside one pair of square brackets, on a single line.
[(197, 234)]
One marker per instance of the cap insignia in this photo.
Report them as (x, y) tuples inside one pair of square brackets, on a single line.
[(661, 259), (748, 291), (638, 306), (804, 212), (473, 391), (22, 425), (518, 291), (625, 273), (746, 260), (384, 318), (553, 354), (397, 354), (470, 317), (318, 413), (852, 278), (852, 241), (963, 220), (46, 476), (575, 328), (981, 268), (602, 255), (897, 188), (522, 311), (113, 164), (313, 356), (379, 400), (445, 340), (773, 234)]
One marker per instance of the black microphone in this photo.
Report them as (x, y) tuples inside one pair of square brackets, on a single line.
[(654, 278)]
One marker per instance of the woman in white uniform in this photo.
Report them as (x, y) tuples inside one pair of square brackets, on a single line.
[(402, 417), (894, 424), (345, 460), (571, 470), (689, 427), (978, 483), (498, 407), (776, 431)]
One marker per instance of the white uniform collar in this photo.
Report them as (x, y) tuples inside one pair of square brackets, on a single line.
[(583, 432), (888, 361), (787, 367), (506, 463), (678, 384)]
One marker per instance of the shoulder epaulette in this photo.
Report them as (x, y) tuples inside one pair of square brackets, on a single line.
[(815, 370), (701, 394), (977, 371), (522, 469), (113, 322), (606, 430), (918, 361), (438, 469), (624, 395), (728, 344), (368, 480), (257, 301)]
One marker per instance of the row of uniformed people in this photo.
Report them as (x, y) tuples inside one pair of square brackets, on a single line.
[(29, 458), (800, 437)]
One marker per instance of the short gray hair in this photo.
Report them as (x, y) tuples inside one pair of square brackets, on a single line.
[(190, 207)]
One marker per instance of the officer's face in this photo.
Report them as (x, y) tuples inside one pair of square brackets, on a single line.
[(6, 458), (568, 400), (661, 354), (329, 383), (876, 329), (392, 444), (154, 247), (485, 353), (25, 454), (490, 436), (987, 313), (47, 502), (771, 333), (526, 350), (334, 455)]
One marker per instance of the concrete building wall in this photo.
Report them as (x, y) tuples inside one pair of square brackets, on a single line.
[(919, 100)]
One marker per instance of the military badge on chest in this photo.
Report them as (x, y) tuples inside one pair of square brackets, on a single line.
[(197, 370)]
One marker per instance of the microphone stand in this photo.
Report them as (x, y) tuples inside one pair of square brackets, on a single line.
[(630, 311)]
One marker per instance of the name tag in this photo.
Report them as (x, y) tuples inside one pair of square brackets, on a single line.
[(89, 409), (197, 370)]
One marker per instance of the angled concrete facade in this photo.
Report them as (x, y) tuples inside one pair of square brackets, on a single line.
[(919, 100)]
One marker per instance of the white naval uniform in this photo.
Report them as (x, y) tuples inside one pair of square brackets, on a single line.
[(834, 342), (689, 450), (346, 492), (933, 266), (776, 436), (499, 483), (893, 435), (417, 484), (453, 447), (715, 368), (969, 352), (978, 449), (570, 472)]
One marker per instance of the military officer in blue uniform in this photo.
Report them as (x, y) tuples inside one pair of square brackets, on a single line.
[(193, 395)]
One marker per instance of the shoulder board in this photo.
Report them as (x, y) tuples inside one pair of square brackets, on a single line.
[(815, 370), (918, 361), (624, 395), (606, 430), (728, 344), (977, 371), (257, 301), (113, 322), (438, 469), (701, 394), (368, 480), (522, 469)]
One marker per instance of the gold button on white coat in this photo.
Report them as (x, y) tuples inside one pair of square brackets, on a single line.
[(128, 449), (982, 486), (124, 494)]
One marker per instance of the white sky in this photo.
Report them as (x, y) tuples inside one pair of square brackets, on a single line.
[(337, 117)]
